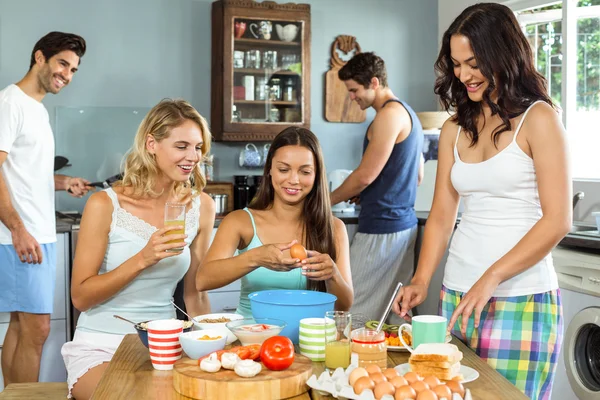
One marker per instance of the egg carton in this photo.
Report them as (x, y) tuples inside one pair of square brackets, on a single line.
[(337, 385)]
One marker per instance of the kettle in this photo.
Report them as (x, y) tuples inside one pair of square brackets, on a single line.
[(336, 178)]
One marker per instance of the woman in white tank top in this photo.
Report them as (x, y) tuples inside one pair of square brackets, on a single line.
[(121, 264), (504, 155)]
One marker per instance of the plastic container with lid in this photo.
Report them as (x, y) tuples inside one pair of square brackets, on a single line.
[(370, 347)]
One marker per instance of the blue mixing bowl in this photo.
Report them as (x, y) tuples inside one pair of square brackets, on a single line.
[(291, 306)]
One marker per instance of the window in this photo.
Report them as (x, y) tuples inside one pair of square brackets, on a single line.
[(565, 37)]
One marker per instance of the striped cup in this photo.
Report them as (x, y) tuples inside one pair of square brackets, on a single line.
[(312, 337), (163, 342)]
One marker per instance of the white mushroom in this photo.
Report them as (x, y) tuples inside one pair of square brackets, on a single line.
[(229, 360), (247, 368), (211, 364)]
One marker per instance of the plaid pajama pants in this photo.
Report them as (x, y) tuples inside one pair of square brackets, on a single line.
[(518, 336)]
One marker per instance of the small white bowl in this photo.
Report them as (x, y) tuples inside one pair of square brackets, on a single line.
[(195, 348), (218, 325)]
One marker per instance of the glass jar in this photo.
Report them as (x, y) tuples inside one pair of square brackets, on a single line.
[(288, 90), (275, 90), (370, 347)]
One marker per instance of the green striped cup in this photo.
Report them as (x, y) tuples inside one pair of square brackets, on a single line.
[(312, 337)]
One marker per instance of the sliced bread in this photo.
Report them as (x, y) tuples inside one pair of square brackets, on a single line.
[(437, 352)]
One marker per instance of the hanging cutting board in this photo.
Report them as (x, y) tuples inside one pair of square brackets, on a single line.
[(189, 380), (338, 106)]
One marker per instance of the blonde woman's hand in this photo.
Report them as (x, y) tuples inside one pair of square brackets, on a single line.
[(409, 297), (318, 266), (271, 256), (156, 248)]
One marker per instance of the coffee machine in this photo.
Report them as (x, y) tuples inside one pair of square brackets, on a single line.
[(336, 178)]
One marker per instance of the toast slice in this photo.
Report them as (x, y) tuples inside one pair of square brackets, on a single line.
[(437, 352), (445, 374), (434, 364)]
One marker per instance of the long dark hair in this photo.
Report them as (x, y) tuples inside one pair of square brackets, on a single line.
[(317, 216), (505, 59)]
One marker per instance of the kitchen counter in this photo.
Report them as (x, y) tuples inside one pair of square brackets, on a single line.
[(131, 375)]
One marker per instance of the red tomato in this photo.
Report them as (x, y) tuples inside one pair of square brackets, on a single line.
[(277, 353), (298, 251)]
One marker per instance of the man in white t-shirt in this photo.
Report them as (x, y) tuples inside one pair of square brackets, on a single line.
[(27, 185)]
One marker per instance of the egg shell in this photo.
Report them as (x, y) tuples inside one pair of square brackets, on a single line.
[(432, 381), (390, 373), (355, 374), (398, 381), (372, 368), (378, 377), (405, 392), (443, 391), (383, 388), (363, 383), (456, 387), (412, 377), (419, 386), (427, 395)]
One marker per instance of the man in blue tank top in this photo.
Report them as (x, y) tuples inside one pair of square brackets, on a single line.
[(382, 252)]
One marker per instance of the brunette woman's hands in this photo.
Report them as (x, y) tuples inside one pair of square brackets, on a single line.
[(271, 256), (318, 266), (473, 302), (409, 297), (156, 248)]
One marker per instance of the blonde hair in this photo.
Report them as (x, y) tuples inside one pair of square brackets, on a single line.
[(140, 168)]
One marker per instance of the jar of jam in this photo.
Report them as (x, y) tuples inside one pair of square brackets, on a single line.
[(370, 347)]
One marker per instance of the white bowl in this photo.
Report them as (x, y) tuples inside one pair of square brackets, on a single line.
[(218, 325), (195, 348)]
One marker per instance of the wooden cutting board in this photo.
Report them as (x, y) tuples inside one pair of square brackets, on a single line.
[(189, 380), (338, 106)]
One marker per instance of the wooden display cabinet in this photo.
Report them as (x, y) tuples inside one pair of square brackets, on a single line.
[(260, 69)]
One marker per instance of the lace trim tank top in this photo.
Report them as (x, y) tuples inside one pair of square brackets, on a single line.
[(148, 296)]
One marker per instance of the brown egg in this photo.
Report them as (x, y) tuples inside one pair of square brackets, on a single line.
[(419, 386), (432, 381), (383, 388), (390, 373), (443, 391), (363, 383), (427, 395), (372, 368), (398, 381), (355, 374), (456, 387), (405, 393), (377, 377), (412, 377)]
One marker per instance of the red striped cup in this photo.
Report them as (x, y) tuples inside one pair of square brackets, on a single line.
[(163, 342)]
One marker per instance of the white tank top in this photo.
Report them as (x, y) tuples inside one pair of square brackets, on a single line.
[(501, 204)]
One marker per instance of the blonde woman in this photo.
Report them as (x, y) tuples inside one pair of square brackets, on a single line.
[(121, 264)]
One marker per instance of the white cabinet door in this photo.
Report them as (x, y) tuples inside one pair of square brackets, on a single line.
[(59, 309), (351, 229), (223, 302), (53, 368)]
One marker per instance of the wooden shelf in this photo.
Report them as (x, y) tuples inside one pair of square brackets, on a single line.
[(264, 71), (264, 42), (275, 103)]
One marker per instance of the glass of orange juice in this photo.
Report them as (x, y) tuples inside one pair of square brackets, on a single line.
[(337, 347), (175, 215)]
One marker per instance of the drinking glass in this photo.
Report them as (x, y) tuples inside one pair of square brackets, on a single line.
[(175, 215), (337, 347)]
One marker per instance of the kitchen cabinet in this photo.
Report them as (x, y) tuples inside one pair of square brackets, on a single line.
[(226, 298), (260, 69), (52, 368), (351, 229)]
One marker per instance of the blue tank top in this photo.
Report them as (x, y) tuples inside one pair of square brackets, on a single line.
[(387, 204), (265, 279)]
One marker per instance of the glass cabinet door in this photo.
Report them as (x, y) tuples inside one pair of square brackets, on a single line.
[(267, 72)]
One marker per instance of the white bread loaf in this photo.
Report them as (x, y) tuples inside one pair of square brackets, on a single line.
[(437, 352)]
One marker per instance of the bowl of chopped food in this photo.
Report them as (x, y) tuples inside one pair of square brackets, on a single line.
[(142, 330), (255, 330), (198, 344), (217, 321)]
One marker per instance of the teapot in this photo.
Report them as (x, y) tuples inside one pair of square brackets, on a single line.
[(287, 33)]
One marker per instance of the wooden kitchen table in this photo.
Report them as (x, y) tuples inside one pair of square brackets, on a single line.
[(130, 375)]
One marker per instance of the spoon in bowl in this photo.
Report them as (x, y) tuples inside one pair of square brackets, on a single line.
[(184, 313), (125, 319)]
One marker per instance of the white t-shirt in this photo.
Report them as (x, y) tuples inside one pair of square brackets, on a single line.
[(26, 135)]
